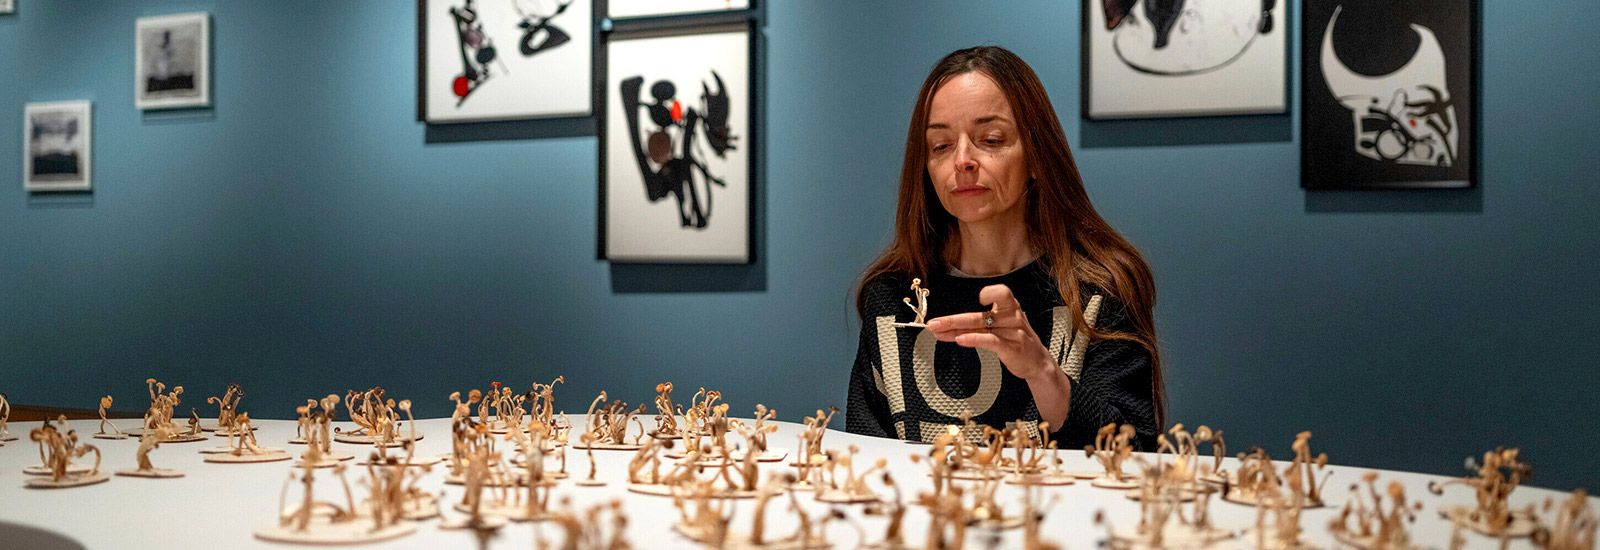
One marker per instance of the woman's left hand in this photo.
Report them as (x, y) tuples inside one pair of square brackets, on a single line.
[(1004, 330)]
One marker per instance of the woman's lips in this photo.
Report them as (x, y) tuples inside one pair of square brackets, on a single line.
[(968, 191)]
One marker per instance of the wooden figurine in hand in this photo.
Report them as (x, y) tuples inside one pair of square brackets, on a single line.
[(921, 309)]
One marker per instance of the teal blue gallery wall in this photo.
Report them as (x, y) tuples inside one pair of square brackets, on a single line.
[(305, 236)]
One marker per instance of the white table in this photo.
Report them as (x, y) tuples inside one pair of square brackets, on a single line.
[(221, 505)]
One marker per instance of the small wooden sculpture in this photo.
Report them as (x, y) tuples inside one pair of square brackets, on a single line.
[(701, 407), (159, 415), (1574, 525), (1496, 477), (706, 523), (148, 442), (1162, 519), (811, 453), (115, 433), (666, 413), (243, 447), (542, 407), (57, 449), (227, 408), (1181, 475), (1033, 520), (1257, 475), (840, 484), (1027, 468), (1377, 527), (1283, 531), (1112, 446), (518, 496), (1214, 473), (375, 417), (316, 433), (921, 309), (756, 435), (587, 441), (316, 521), (5, 415), (895, 510), (608, 425), (592, 530)]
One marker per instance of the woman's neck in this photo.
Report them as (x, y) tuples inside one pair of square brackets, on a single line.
[(992, 247)]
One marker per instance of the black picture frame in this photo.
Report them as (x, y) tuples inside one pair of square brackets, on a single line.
[(1276, 39), (593, 25), (745, 20), (1405, 114)]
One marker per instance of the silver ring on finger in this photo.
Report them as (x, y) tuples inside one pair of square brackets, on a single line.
[(988, 320)]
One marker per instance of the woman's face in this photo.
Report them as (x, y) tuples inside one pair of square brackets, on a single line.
[(975, 155)]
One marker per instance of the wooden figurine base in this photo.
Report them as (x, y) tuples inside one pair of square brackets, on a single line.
[(157, 473), (742, 542), (488, 522), (1175, 535), (1185, 494), (366, 439), (1368, 542), (517, 512), (1249, 498), (607, 446), (1268, 540), (909, 325), (1042, 480), (590, 483), (1005, 523), (269, 455), (416, 461), (216, 450), (833, 496), (66, 482), (660, 490), (212, 427), (328, 460), (516, 479), (111, 436), (44, 471), (420, 510), (323, 531), (1521, 524), (1086, 474), (1103, 482), (975, 475)]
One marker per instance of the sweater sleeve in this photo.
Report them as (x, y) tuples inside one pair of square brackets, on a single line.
[(1114, 386), (867, 411)]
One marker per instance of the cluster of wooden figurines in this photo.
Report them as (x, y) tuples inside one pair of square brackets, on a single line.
[(158, 417), (314, 429), (393, 502), (376, 418), (59, 449), (706, 516), (1493, 480)]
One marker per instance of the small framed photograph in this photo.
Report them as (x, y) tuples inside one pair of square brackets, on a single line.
[(496, 60), (56, 151), (676, 146), (1152, 59), (8, 6), (625, 9), (173, 61), (1388, 94)]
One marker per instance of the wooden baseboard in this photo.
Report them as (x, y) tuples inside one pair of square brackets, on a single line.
[(33, 413)]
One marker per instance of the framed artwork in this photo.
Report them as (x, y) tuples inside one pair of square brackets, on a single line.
[(8, 6), (172, 67), (504, 59), (676, 146), (622, 9), (1158, 59), (1388, 99), (56, 151)]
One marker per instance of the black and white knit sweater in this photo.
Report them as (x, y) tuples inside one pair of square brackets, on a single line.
[(906, 384)]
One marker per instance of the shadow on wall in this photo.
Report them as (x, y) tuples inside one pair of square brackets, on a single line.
[(1184, 131), (647, 278), (1401, 201), (510, 130)]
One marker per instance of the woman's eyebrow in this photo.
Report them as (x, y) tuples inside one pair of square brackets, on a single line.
[(977, 122)]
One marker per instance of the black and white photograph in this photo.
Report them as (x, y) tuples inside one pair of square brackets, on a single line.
[(504, 59), (1388, 99), (676, 148), (1156, 59), (173, 67), (8, 6), (56, 148), (623, 9)]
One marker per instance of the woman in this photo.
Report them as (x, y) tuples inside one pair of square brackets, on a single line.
[(1040, 313)]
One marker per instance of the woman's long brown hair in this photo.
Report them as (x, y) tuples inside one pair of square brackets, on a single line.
[(1076, 245)]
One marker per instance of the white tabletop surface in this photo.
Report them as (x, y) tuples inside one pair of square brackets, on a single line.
[(221, 505)]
